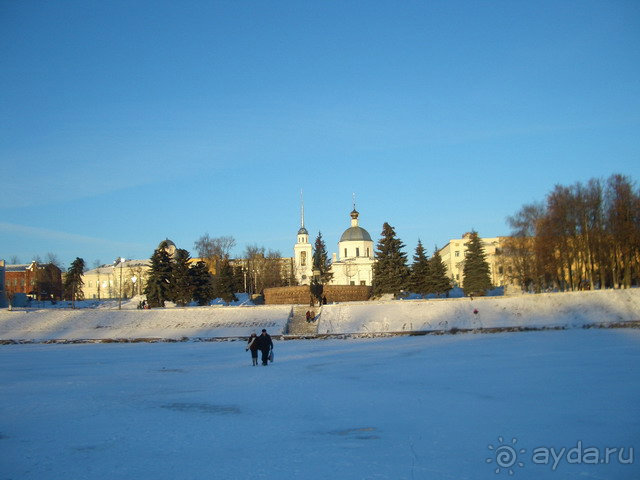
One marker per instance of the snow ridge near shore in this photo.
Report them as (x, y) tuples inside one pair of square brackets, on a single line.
[(571, 309), (567, 310), (170, 323)]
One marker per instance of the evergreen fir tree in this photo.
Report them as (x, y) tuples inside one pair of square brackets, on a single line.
[(439, 283), (321, 260), (419, 280), (390, 271), (476, 278), (321, 269), (202, 282), (159, 278), (181, 287), (225, 284), (73, 281)]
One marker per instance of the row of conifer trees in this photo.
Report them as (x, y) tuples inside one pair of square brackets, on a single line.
[(392, 274), (176, 279)]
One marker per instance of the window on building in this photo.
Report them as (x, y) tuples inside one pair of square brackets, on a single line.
[(345, 253), (500, 270), (457, 253), (352, 282), (457, 276), (303, 258), (362, 282), (357, 252), (368, 252)]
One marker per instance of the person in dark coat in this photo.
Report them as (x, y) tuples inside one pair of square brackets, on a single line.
[(252, 344), (265, 345)]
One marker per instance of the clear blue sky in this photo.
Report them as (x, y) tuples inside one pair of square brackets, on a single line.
[(122, 123)]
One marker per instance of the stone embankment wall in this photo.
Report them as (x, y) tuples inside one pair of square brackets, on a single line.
[(302, 294)]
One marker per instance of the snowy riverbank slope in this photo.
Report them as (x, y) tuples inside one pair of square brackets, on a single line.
[(546, 310), (169, 323), (571, 309)]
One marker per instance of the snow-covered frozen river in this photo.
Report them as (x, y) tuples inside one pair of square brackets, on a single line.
[(434, 407)]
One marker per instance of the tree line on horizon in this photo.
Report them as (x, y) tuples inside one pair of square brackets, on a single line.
[(583, 236)]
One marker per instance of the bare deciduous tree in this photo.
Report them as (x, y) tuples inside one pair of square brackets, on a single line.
[(585, 236), (264, 268), (214, 250)]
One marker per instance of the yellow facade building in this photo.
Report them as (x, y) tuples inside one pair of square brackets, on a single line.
[(453, 255)]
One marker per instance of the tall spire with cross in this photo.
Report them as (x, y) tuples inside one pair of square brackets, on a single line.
[(302, 231), (301, 209), (303, 250)]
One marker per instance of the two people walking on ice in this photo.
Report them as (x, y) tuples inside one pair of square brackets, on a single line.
[(262, 343)]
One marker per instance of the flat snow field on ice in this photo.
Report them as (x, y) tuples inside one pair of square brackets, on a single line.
[(430, 407)]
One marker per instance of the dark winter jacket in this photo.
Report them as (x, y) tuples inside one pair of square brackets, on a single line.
[(252, 344), (264, 342)]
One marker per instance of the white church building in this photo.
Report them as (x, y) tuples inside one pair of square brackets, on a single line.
[(351, 265)]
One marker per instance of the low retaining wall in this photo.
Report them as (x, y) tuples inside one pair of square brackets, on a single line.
[(301, 295), (347, 293), (287, 295)]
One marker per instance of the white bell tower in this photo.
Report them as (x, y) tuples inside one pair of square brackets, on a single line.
[(303, 252)]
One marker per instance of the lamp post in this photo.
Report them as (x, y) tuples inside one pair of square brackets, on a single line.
[(316, 285), (120, 261), (244, 273)]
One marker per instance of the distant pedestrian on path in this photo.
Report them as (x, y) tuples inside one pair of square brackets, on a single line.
[(265, 345), (252, 344)]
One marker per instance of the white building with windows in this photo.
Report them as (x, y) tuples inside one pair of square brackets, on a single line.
[(303, 258), (353, 264), (127, 278)]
